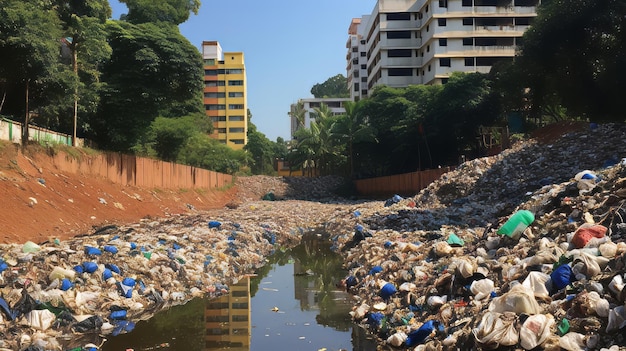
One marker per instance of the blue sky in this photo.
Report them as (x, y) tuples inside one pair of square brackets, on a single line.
[(288, 46)]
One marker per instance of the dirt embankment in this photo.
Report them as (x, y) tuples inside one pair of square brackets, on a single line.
[(39, 202)]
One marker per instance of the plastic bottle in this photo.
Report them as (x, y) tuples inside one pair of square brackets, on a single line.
[(515, 226)]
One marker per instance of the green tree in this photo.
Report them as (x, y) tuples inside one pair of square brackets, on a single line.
[(351, 128), (167, 136), (299, 114), (153, 71), (202, 151), (465, 103), (85, 38), (573, 55), (333, 87), (261, 151), (316, 149), (29, 37), (170, 11)]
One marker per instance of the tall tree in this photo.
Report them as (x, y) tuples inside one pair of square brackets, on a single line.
[(153, 71), (574, 54), (29, 48), (85, 37), (333, 87), (170, 11), (351, 128)]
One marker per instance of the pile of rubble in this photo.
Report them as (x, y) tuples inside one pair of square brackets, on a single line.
[(522, 250)]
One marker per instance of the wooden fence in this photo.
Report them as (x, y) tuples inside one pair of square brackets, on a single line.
[(407, 184), (141, 172)]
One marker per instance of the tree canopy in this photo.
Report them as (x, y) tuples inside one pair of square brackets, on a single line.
[(333, 87)]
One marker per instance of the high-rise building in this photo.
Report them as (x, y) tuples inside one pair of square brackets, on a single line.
[(225, 99), (357, 59), (410, 42)]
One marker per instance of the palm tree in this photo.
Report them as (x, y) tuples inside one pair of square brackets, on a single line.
[(352, 127)]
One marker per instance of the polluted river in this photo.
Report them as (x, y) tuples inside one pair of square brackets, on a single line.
[(292, 303), (518, 251)]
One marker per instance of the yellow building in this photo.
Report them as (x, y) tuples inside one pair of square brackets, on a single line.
[(225, 99), (227, 318)]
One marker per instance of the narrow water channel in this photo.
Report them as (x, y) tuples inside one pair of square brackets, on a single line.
[(291, 303)]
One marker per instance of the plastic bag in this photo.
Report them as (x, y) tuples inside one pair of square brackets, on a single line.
[(586, 232), (536, 282), (418, 336), (617, 319), (40, 319), (496, 329), (592, 265), (535, 330), (562, 276), (482, 288), (572, 342), (518, 300), (92, 323), (397, 339)]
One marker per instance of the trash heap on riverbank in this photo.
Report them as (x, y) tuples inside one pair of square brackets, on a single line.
[(521, 250), (63, 295)]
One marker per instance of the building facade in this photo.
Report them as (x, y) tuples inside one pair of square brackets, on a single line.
[(225, 94), (407, 42), (309, 105)]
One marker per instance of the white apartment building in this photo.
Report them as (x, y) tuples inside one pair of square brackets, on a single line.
[(406, 42), (309, 105), (357, 59)]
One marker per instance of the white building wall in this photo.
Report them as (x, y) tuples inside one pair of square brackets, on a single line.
[(426, 31)]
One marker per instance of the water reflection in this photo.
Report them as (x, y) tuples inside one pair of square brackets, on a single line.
[(291, 303)]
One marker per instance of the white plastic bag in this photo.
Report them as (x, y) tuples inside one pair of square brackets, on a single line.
[(518, 300), (535, 330), (536, 282), (397, 339), (496, 329), (482, 288), (40, 319), (617, 319), (572, 342)]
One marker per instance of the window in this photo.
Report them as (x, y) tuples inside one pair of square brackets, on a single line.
[(214, 95), (216, 331), (236, 118), (400, 72), (218, 119), (399, 16), (237, 141), (363, 53), (428, 27), (363, 66), (235, 130), (235, 107), (217, 305), (363, 79), (523, 21), (355, 74), (214, 83), (443, 42), (214, 107), (216, 318), (402, 34), (444, 62), (209, 62), (240, 306), (222, 131), (469, 61), (468, 41), (441, 22), (234, 94), (210, 72), (235, 82), (443, 3), (240, 318), (356, 87), (466, 3), (468, 21), (234, 71), (399, 53), (427, 48)]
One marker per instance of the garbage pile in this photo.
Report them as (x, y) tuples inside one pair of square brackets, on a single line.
[(523, 250), (58, 295)]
